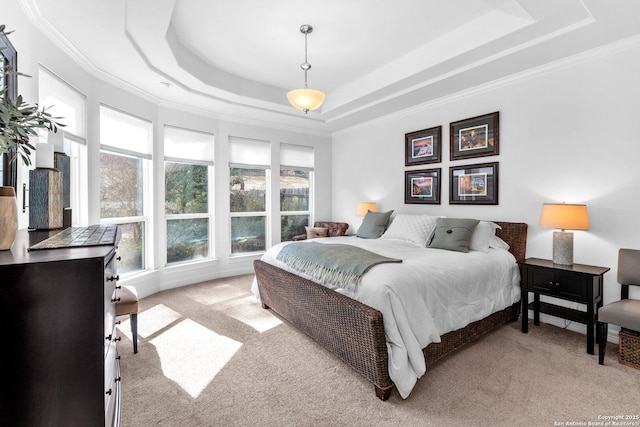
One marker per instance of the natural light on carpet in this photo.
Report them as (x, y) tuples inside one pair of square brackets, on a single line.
[(192, 355), (151, 321), (249, 311), (214, 295)]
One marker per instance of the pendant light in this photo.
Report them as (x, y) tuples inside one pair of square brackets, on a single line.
[(306, 99)]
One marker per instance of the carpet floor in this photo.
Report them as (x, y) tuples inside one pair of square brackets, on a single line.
[(209, 355)]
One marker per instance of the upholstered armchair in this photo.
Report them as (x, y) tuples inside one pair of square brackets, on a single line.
[(334, 229), (626, 312)]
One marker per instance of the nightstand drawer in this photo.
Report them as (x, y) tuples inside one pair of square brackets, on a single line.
[(554, 283), (572, 287)]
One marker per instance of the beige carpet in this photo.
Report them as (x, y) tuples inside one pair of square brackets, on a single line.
[(209, 355)]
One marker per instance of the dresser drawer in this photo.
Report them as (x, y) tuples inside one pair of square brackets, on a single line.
[(110, 283), (112, 385)]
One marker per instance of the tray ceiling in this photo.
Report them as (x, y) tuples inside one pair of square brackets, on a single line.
[(371, 57)]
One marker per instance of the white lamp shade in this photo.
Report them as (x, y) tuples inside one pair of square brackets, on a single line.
[(306, 99)]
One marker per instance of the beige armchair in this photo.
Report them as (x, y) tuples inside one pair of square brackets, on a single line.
[(334, 229), (626, 312)]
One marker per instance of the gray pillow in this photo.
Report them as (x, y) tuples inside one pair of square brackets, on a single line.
[(374, 224), (453, 234)]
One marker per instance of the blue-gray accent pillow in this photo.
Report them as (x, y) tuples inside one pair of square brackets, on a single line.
[(374, 224), (453, 234)]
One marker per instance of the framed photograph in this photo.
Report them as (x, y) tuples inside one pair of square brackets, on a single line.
[(474, 184), (423, 146), (422, 186), (475, 137)]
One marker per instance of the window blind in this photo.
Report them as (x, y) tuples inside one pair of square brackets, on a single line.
[(249, 152), (185, 144), (299, 156), (62, 100), (124, 133)]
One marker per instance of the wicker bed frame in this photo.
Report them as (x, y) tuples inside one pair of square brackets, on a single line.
[(355, 332)]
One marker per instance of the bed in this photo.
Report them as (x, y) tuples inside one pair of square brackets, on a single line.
[(354, 331)]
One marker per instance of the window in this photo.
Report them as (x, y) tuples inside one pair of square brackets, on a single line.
[(63, 100), (296, 169), (187, 173), (125, 143), (249, 195)]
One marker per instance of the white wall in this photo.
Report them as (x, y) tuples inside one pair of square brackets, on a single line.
[(568, 132), (34, 50)]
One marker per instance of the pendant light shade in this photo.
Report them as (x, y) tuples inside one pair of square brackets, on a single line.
[(305, 99)]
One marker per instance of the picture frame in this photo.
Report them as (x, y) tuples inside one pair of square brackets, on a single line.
[(475, 137), (422, 186), (423, 146), (474, 184)]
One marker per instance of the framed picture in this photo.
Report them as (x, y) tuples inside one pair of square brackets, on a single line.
[(475, 137), (423, 146), (474, 184), (422, 186)]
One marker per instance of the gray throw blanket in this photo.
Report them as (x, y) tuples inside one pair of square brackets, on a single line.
[(331, 264)]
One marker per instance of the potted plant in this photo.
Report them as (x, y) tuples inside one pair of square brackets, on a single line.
[(18, 122)]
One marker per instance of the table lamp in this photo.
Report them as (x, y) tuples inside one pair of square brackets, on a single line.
[(564, 216), (365, 207)]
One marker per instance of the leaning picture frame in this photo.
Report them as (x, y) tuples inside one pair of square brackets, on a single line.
[(423, 146), (474, 184), (422, 186), (475, 137)]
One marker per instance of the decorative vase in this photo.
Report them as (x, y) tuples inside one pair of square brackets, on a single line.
[(8, 217)]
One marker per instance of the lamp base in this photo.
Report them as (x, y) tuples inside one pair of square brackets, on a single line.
[(563, 247)]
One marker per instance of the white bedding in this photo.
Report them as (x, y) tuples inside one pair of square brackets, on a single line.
[(432, 292)]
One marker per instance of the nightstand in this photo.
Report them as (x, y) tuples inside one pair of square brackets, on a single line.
[(578, 283)]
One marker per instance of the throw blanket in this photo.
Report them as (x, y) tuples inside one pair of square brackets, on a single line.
[(331, 264)]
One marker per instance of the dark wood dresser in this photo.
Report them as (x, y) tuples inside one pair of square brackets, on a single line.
[(59, 341)]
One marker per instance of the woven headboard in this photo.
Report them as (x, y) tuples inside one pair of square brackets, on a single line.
[(515, 234)]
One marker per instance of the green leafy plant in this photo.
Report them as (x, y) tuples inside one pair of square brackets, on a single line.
[(20, 120)]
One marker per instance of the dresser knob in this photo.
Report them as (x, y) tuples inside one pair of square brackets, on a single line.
[(119, 379), (108, 337), (117, 338), (109, 392), (115, 299), (113, 278)]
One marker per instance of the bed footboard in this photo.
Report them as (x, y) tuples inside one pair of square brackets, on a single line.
[(349, 329)]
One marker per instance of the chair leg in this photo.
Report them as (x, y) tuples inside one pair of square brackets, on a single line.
[(134, 330), (601, 332)]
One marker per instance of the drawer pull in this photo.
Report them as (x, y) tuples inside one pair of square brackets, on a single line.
[(118, 286), (119, 258), (117, 338), (118, 379), (115, 299), (113, 278), (109, 392), (108, 337)]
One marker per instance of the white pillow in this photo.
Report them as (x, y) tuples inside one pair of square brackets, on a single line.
[(498, 243), (482, 236), (412, 228)]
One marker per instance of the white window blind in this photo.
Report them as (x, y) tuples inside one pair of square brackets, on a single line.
[(62, 100), (249, 152), (299, 156), (184, 144), (125, 134)]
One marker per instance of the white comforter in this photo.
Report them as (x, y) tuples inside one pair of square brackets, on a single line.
[(430, 293)]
